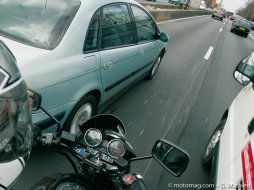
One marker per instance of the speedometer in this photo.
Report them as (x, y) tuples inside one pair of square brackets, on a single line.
[(93, 137), (116, 148)]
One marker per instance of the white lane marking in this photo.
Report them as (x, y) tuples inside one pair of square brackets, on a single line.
[(251, 36), (208, 53), (129, 125), (221, 30), (141, 132)]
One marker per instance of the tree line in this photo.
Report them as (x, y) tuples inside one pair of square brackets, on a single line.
[(247, 11)]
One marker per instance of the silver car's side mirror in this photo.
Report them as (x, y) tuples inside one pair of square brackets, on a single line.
[(164, 37), (170, 157)]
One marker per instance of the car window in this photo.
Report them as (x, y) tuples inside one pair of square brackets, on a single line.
[(146, 27), (117, 27), (37, 23), (244, 22), (92, 37)]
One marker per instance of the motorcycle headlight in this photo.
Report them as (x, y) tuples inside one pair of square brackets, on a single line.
[(93, 137)]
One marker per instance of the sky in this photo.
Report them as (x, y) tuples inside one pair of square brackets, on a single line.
[(232, 5)]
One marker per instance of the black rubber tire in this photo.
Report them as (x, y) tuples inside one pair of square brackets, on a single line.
[(212, 16), (151, 74), (87, 99), (207, 159), (232, 30), (246, 35)]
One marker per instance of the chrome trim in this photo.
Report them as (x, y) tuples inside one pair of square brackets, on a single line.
[(118, 141), (88, 132)]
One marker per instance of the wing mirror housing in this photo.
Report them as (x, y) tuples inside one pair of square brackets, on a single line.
[(171, 157), (164, 37), (244, 71)]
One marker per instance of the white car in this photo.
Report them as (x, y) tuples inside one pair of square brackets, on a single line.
[(230, 148)]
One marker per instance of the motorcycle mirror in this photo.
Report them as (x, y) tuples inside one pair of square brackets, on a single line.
[(170, 157), (35, 100)]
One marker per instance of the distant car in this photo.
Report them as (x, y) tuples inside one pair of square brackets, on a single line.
[(219, 13), (241, 26), (235, 17), (175, 2)]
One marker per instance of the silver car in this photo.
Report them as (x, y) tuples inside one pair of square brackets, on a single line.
[(219, 13), (78, 54)]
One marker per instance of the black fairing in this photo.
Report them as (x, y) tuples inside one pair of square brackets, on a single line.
[(112, 127), (53, 181), (106, 121), (141, 184)]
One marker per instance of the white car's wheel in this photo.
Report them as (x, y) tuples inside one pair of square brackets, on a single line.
[(209, 150)]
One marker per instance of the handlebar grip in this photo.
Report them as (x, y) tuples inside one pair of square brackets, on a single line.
[(36, 134)]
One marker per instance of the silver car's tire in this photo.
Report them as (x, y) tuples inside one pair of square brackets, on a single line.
[(154, 68), (84, 109), (209, 150)]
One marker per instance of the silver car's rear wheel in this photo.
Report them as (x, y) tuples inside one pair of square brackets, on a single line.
[(85, 109)]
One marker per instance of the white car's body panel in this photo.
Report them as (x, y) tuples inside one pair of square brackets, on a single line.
[(234, 161)]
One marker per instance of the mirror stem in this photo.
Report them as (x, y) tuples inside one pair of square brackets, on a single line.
[(52, 117), (140, 158)]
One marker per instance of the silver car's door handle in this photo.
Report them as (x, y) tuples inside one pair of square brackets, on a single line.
[(107, 65)]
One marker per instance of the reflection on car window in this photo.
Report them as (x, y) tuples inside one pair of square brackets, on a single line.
[(247, 66), (37, 23), (251, 60), (117, 28), (93, 33), (146, 27)]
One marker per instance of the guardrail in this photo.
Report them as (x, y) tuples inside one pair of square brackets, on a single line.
[(163, 15), (162, 12)]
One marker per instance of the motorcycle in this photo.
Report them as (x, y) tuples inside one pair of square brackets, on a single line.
[(102, 156)]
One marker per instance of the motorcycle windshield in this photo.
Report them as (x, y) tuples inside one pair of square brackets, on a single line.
[(107, 122)]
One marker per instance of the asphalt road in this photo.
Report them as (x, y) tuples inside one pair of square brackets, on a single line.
[(182, 104)]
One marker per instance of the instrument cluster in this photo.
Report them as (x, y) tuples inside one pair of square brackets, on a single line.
[(98, 148)]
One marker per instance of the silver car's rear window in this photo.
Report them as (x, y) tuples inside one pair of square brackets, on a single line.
[(37, 23)]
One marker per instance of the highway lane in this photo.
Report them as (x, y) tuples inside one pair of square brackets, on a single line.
[(183, 103), (215, 95)]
